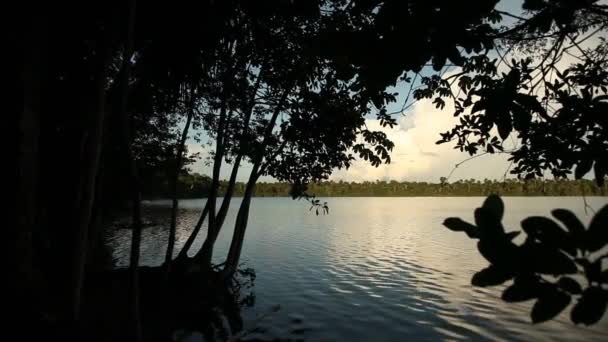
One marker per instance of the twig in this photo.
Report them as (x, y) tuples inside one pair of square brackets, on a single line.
[(586, 204), (510, 15), (464, 161)]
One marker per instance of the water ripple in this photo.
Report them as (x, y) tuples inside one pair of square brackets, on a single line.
[(380, 269)]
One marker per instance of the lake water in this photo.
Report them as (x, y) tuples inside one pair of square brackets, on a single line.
[(374, 269)]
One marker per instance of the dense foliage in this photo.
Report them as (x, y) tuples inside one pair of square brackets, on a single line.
[(543, 85)]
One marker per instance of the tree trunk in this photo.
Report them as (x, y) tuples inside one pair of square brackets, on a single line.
[(236, 246), (178, 167), (240, 226), (205, 254), (217, 164), (133, 173), (92, 152), (211, 201), (237, 162), (184, 252)]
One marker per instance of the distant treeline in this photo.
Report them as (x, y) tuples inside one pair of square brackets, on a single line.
[(460, 188), (197, 186), (193, 185)]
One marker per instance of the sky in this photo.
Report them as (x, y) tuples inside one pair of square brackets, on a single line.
[(415, 157)]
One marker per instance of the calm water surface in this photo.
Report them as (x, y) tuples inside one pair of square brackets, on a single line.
[(374, 269)]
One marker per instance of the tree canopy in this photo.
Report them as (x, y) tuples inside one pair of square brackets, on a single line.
[(543, 82)]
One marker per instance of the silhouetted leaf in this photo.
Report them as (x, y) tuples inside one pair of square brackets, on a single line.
[(549, 304), (455, 56), (479, 105), (439, 62), (495, 206), (458, 225), (490, 276), (521, 119), (523, 288), (500, 252), (582, 168), (544, 259), (569, 285), (597, 235), (573, 224), (600, 171), (590, 307), (439, 103), (504, 125), (488, 223), (530, 102), (593, 270), (548, 232), (513, 235)]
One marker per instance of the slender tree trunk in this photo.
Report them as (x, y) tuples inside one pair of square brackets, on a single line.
[(240, 226), (133, 173), (206, 252), (203, 259), (237, 162), (92, 152), (184, 252), (178, 167)]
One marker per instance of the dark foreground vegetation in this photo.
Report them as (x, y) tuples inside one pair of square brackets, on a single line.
[(113, 90), (559, 260)]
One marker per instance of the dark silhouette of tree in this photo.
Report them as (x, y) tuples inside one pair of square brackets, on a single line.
[(113, 93), (553, 110), (108, 109)]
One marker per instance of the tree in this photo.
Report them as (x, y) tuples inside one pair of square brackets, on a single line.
[(523, 86), (283, 122), (282, 85)]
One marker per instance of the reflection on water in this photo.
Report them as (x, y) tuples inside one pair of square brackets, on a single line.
[(381, 269)]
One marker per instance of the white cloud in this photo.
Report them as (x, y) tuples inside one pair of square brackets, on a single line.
[(416, 157)]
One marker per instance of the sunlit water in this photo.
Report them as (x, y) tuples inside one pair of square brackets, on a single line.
[(374, 269)]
